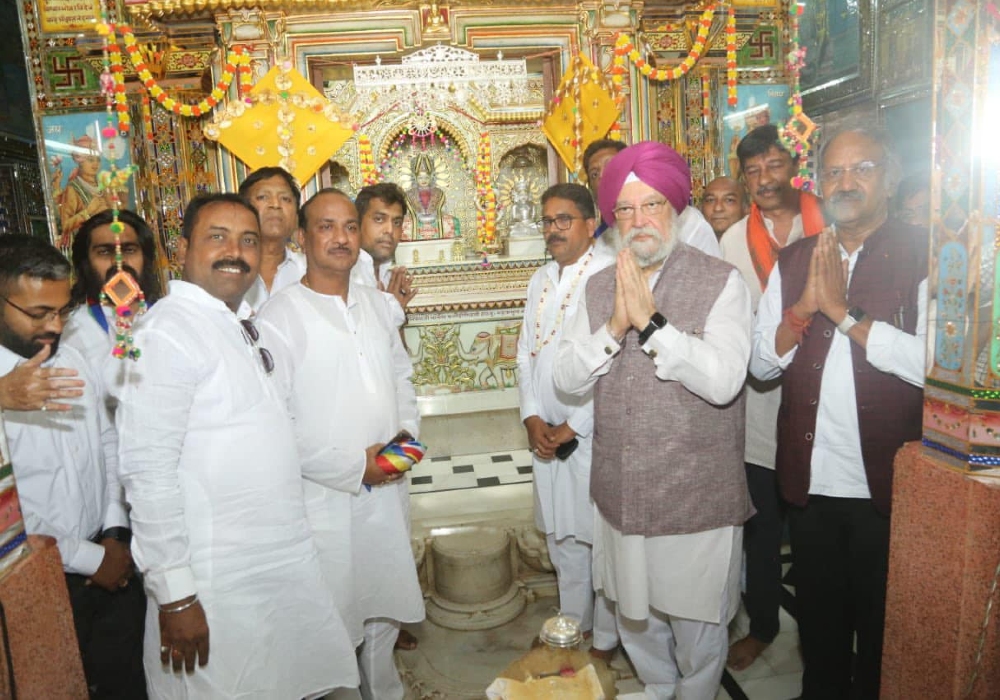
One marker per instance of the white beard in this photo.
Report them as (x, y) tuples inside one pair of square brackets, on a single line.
[(646, 254)]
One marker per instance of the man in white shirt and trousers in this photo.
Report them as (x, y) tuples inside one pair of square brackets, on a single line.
[(563, 509), (341, 357), (663, 339), (211, 470), (65, 464)]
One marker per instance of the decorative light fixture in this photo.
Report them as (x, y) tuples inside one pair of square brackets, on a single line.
[(439, 76)]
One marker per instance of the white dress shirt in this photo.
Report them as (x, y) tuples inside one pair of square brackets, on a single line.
[(837, 467), (562, 487), (763, 398), (683, 575), (66, 467), (290, 271), (211, 470), (347, 378)]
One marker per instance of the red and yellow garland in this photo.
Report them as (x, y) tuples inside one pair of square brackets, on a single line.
[(366, 161), (486, 212), (624, 47), (238, 61)]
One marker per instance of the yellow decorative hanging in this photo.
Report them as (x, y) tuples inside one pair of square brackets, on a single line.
[(582, 110), (285, 121)]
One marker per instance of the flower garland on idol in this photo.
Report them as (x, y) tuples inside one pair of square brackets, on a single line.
[(486, 210), (624, 48)]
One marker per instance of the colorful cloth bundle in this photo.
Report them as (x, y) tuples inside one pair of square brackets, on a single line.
[(398, 457)]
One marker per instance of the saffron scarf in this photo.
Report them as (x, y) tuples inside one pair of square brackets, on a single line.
[(764, 249)]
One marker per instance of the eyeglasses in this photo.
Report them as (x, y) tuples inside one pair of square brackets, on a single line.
[(562, 222), (40, 317), (627, 211), (863, 171), (253, 335)]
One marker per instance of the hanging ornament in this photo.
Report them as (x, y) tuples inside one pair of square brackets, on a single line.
[(486, 199), (796, 133), (121, 291)]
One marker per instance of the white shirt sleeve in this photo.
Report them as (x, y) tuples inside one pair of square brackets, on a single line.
[(583, 356), (152, 419), (714, 366), (764, 361), (891, 350)]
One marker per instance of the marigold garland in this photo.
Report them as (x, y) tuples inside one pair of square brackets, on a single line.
[(799, 129), (237, 62), (625, 48), (486, 210), (369, 175)]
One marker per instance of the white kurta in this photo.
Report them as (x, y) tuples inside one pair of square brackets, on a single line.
[(562, 487), (364, 273), (349, 381), (290, 271), (211, 470), (763, 398)]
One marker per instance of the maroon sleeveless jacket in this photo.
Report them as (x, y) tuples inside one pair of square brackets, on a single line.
[(884, 284)]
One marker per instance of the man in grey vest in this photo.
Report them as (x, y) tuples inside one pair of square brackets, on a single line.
[(663, 339)]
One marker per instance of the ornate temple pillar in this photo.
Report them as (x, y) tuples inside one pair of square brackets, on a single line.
[(945, 550)]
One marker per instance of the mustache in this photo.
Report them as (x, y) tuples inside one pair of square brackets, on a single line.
[(763, 191), (847, 196), (238, 263), (555, 238), (636, 231)]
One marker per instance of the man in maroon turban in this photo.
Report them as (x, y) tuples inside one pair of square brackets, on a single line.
[(662, 339)]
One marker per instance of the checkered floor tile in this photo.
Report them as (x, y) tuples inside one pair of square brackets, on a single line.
[(470, 471)]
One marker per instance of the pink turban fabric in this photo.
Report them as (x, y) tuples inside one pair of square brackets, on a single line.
[(656, 164)]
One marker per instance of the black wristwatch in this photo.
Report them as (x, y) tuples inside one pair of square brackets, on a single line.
[(122, 534), (656, 322)]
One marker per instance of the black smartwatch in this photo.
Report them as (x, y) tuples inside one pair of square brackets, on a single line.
[(122, 534), (656, 322)]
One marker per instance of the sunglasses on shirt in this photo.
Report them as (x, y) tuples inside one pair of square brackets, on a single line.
[(253, 335)]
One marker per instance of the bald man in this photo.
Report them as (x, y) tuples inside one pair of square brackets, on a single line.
[(662, 338), (723, 204)]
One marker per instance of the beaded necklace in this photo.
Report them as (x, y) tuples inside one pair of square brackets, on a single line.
[(539, 343)]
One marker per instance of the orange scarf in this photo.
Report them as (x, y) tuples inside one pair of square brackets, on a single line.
[(764, 249)]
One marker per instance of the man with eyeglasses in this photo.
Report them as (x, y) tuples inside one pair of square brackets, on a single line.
[(843, 324), (779, 215), (556, 422), (211, 470), (66, 470), (662, 338), (341, 361), (695, 230)]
